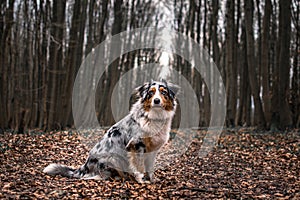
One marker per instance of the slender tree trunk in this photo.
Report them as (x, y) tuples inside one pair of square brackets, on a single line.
[(265, 61), (99, 37), (295, 96), (197, 77), (245, 93), (284, 62), (112, 73), (236, 62), (215, 40), (28, 80), (251, 64), (91, 27), (6, 22), (74, 57), (2, 98), (55, 62), (259, 41), (243, 80), (215, 46), (36, 69), (230, 68), (274, 124)]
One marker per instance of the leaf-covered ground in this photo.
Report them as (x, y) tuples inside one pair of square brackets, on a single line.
[(244, 164)]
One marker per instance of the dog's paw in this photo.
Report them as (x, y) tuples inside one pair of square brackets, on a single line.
[(150, 178), (139, 177)]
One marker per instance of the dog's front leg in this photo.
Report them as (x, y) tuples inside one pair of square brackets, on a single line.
[(137, 166), (149, 164)]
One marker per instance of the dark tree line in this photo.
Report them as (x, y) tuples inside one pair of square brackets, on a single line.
[(255, 45)]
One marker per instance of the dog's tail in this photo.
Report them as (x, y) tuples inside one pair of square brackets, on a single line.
[(93, 168), (63, 170)]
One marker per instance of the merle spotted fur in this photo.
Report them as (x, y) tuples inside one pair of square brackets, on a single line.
[(122, 149)]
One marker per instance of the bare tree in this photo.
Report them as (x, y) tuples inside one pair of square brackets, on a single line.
[(231, 78), (73, 57), (55, 66), (295, 94), (113, 73), (251, 63), (6, 22), (265, 61), (284, 61)]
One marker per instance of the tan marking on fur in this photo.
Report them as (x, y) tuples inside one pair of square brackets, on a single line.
[(136, 159), (166, 101), (147, 102), (150, 145)]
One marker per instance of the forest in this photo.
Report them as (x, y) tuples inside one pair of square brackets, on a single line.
[(254, 44), (237, 63)]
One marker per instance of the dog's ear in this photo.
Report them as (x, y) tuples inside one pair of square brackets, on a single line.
[(141, 91), (164, 82), (137, 93), (173, 89), (151, 81)]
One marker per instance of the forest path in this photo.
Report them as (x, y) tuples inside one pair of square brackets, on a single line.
[(244, 164)]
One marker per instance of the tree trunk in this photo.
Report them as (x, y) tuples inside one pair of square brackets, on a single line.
[(284, 62), (215, 46), (112, 72), (230, 68), (251, 64), (258, 41), (296, 73), (265, 61), (74, 56), (6, 20), (236, 62), (55, 62), (274, 124)]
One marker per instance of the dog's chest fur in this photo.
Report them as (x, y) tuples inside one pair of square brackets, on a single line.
[(155, 133)]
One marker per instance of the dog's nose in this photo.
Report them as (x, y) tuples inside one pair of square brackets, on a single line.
[(156, 101)]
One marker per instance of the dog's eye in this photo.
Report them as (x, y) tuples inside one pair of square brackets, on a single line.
[(164, 93), (150, 93)]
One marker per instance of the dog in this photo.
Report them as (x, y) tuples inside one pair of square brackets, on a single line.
[(131, 145)]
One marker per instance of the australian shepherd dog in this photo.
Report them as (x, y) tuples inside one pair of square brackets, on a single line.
[(131, 145)]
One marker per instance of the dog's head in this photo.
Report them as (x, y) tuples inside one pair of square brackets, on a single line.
[(158, 96)]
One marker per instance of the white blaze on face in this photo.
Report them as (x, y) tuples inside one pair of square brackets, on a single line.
[(156, 99)]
